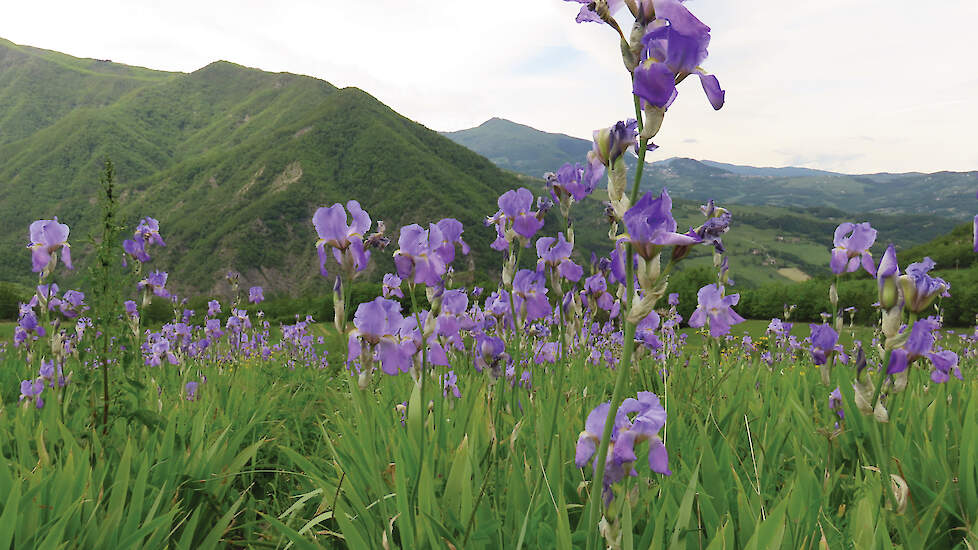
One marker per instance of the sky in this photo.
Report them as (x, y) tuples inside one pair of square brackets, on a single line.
[(849, 86)]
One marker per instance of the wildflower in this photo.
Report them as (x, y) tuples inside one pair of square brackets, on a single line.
[(47, 237), (920, 343), (490, 353), (213, 308), (649, 417), (515, 219), (835, 402), (779, 327), (73, 304), (574, 181), (392, 286), (645, 331), (424, 254), (451, 234), (345, 238), (823, 343), (596, 288), (191, 390), (920, 289), (674, 46), (530, 295), (716, 308), (155, 283), (651, 226), (378, 324), (31, 391), (450, 383), (556, 254), (591, 11), (852, 243), (256, 295)]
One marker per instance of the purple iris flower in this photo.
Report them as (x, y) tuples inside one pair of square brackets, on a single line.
[(823, 343), (451, 234), (779, 327), (674, 299), (191, 390), (450, 383), (715, 307), (588, 13), (213, 308), (155, 282), (392, 286), (919, 288), (713, 229), (417, 259), (546, 353), (452, 318), (596, 289), (435, 353), (256, 295), (47, 237), (73, 304), (530, 295), (490, 353), (556, 254), (645, 331), (945, 363), (575, 180), (345, 238), (31, 391), (212, 328), (47, 369), (651, 226), (674, 47), (610, 144), (835, 402), (137, 249), (149, 230), (649, 418), (920, 343), (852, 243), (378, 325), (516, 207)]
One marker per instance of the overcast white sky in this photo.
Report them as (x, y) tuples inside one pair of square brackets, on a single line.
[(845, 85)]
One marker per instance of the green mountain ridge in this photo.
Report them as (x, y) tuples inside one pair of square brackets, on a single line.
[(233, 162), (513, 146)]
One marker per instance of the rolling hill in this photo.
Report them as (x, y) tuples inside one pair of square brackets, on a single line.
[(233, 162), (946, 194)]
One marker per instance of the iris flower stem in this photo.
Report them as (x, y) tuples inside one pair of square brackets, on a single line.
[(597, 487), (516, 331)]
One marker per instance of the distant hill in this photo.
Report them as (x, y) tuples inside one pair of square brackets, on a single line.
[(520, 148), (945, 194)]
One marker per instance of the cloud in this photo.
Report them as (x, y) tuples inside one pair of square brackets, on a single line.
[(816, 78)]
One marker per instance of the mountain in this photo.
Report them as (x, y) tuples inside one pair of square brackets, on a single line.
[(944, 194), (784, 172), (520, 148), (233, 162)]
